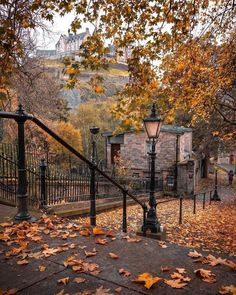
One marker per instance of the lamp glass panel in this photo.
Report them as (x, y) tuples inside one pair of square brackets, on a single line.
[(152, 128)]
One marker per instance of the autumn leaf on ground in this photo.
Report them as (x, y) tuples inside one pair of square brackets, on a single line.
[(10, 292), (124, 272), (228, 290), (6, 224), (4, 237), (206, 275), (63, 281), (162, 244), (101, 241), (89, 254), (194, 254), (41, 268), (181, 270), (113, 255), (102, 291), (22, 262), (177, 284), (165, 268), (148, 279), (98, 231), (79, 280), (118, 290), (85, 233), (110, 234)]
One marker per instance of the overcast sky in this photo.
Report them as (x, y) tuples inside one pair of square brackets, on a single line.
[(60, 26)]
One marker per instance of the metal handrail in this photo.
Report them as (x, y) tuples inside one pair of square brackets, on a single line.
[(25, 116)]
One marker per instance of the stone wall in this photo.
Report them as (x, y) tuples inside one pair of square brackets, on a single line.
[(135, 148), (185, 181)]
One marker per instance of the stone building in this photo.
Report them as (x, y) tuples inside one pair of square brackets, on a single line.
[(173, 160)]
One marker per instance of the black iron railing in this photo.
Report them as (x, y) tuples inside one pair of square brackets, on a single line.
[(20, 116)]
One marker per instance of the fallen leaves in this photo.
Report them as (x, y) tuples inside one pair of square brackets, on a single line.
[(194, 254), (101, 241), (79, 280), (176, 284), (98, 231), (41, 268), (102, 291), (228, 290), (113, 255), (63, 281), (206, 275), (124, 272), (90, 253), (82, 266), (23, 262), (147, 279)]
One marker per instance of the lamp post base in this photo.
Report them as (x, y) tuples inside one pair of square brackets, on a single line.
[(23, 216), (161, 235), (215, 196)]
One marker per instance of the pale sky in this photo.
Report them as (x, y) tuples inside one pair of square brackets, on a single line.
[(60, 26)]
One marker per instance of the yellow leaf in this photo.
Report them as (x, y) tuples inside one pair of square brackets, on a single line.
[(148, 279)]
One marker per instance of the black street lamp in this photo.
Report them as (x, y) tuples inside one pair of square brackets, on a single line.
[(153, 126), (94, 130), (215, 196)]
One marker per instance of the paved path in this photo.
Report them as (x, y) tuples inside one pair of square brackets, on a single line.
[(135, 257)]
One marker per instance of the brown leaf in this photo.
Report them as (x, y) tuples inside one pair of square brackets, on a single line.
[(89, 254), (101, 241), (63, 281), (181, 270), (228, 290), (206, 275), (23, 262), (110, 234), (41, 268), (85, 232), (118, 290), (165, 268), (162, 244), (124, 272), (176, 275), (102, 291), (79, 280), (176, 284), (194, 254), (113, 255)]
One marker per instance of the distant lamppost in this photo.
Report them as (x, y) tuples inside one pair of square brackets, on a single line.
[(94, 130), (153, 126), (215, 196)]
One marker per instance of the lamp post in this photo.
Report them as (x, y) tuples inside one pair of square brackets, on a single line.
[(93, 130), (153, 126), (215, 196)]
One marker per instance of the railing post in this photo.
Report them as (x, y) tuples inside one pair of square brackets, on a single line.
[(124, 227), (144, 227), (180, 209), (204, 200), (43, 191), (92, 196), (194, 204), (23, 213)]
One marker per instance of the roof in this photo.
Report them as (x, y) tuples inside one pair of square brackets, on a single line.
[(164, 128)]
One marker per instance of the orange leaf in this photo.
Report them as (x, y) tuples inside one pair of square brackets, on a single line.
[(113, 255), (124, 272), (177, 284), (118, 290), (228, 290), (63, 281), (89, 254), (194, 254), (165, 268), (101, 241), (148, 279), (22, 262), (42, 268), (79, 280), (181, 270), (98, 231), (206, 275)]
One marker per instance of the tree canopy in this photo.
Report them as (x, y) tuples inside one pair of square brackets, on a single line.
[(181, 52)]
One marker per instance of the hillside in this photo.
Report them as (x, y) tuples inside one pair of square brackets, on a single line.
[(114, 80)]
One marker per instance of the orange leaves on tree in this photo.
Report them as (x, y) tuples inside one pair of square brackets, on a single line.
[(147, 279), (206, 275)]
